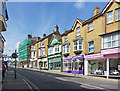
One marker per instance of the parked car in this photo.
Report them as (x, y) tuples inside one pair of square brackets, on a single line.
[(114, 72)]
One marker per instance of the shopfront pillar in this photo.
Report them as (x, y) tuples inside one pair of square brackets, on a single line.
[(85, 67), (107, 68)]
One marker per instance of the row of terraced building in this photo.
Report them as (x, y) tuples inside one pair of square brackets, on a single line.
[(93, 45)]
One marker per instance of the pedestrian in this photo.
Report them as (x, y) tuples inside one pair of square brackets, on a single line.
[(4, 70)]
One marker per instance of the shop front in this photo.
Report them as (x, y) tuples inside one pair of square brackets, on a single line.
[(42, 63), (106, 63), (55, 63), (33, 63), (68, 64), (113, 61)]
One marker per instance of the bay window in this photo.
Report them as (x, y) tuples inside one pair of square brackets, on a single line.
[(110, 17), (56, 48), (41, 51), (111, 40), (91, 46), (66, 48), (117, 14), (50, 50), (77, 45)]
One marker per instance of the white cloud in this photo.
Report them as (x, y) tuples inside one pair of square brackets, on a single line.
[(79, 4)]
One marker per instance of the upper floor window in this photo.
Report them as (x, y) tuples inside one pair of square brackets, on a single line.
[(57, 48), (110, 17), (78, 31), (90, 26), (78, 45), (111, 40), (41, 51), (91, 46), (50, 50), (42, 42), (66, 48), (117, 14), (66, 37), (33, 47)]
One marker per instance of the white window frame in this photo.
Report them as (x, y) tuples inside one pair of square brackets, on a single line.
[(78, 31), (33, 47), (78, 45), (117, 14), (41, 51), (66, 37), (56, 47), (90, 26), (111, 40), (66, 48), (50, 50), (90, 47), (109, 17)]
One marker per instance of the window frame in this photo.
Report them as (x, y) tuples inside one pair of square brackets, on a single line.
[(66, 37), (89, 26), (90, 47), (78, 31), (66, 48), (77, 46), (42, 42), (118, 16), (109, 17)]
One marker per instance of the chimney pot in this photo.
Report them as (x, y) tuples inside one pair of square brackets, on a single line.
[(44, 35), (96, 10), (29, 36), (56, 28)]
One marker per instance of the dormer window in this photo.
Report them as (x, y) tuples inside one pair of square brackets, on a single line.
[(117, 14), (110, 17), (66, 37), (90, 26), (78, 31)]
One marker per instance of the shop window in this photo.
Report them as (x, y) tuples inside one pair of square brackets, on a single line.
[(90, 26), (78, 31), (66, 37), (111, 40), (77, 45), (110, 17), (91, 46), (117, 14)]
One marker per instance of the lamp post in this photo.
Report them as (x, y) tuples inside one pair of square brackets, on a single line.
[(14, 55)]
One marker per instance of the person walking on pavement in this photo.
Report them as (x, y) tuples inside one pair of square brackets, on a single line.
[(4, 70)]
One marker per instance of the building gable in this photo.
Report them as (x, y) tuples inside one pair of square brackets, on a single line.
[(53, 40)]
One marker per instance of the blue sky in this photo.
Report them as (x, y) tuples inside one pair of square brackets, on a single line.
[(37, 18)]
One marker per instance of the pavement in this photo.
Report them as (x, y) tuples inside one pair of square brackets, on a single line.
[(72, 75), (10, 83)]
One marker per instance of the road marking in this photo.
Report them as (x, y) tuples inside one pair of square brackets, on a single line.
[(83, 84), (35, 87), (42, 74), (50, 75)]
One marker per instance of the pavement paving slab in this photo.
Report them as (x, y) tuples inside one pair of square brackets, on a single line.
[(10, 83)]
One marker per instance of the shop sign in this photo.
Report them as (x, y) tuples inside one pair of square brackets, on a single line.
[(110, 51), (94, 56)]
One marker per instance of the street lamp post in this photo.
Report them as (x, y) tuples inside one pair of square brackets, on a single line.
[(14, 55)]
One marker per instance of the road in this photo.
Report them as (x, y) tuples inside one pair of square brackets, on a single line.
[(49, 81)]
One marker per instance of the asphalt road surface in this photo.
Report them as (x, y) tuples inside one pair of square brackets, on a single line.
[(54, 82)]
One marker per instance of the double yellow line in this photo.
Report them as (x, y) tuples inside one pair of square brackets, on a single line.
[(31, 83)]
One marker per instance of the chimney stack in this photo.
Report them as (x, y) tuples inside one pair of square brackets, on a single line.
[(56, 28), (29, 36), (44, 35), (96, 10)]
